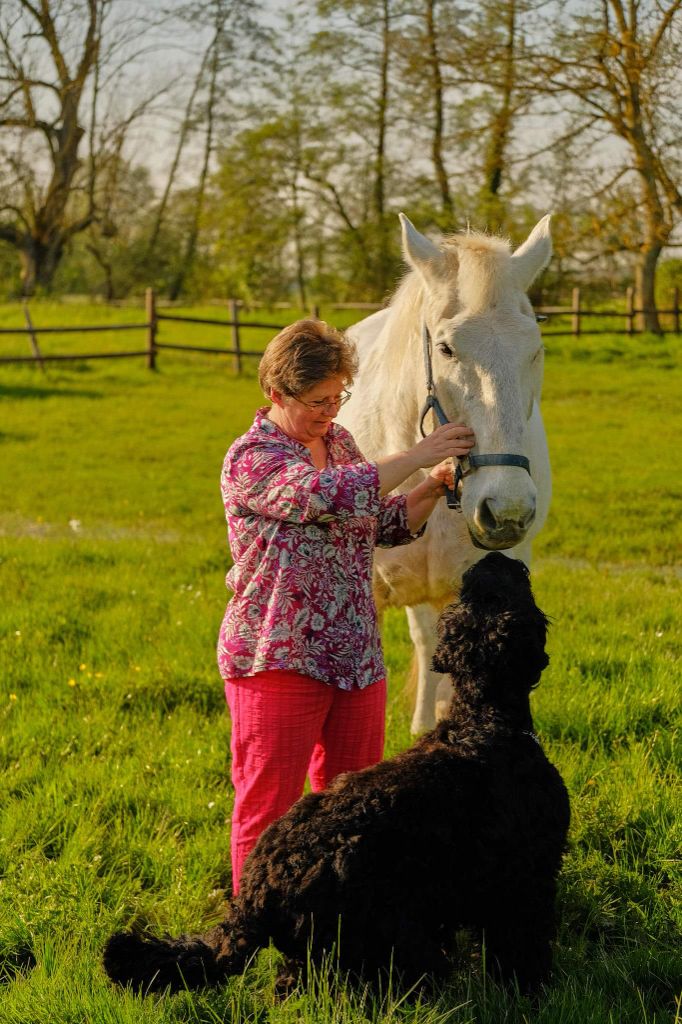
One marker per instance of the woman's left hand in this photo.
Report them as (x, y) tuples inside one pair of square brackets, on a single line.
[(442, 476)]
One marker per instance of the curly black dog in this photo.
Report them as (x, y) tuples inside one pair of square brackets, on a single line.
[(466, 829)]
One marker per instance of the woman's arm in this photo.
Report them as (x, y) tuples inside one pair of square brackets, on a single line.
[(264, 479), (453, 440), (268, 481), (423, 498)]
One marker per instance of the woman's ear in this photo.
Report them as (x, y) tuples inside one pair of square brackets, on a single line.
[(276, 397)]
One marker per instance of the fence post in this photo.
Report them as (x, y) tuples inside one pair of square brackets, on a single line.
[(629, 311), (152, 323), (676, 310), (34, 340), (315, 312), (575, 308), (234, 317)]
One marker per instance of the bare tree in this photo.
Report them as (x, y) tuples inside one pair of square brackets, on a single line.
[(233, 25), (213, 62), (34, 216), (356, 102), (621, 62), (188, 122), (502, 115), (435, 71)]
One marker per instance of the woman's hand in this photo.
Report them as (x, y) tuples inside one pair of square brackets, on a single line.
[(451, 441), (423, 498), (440, 477)]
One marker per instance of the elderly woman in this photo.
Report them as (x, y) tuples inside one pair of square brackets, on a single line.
[(299, 646)]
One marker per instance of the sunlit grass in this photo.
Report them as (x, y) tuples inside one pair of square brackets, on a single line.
[(114, 739)]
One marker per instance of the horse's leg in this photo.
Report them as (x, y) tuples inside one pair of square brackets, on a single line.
[(422, 619)]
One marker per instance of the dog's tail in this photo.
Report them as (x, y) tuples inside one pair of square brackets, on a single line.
[(150, 964)]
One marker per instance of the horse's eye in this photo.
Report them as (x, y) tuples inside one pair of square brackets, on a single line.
[(445, 350)]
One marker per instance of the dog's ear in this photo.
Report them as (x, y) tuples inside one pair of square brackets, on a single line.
[(451, 631), (458, 639)]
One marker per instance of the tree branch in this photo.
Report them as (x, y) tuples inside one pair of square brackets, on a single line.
[(666, 21)]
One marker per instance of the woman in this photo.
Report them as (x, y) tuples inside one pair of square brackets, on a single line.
[(299, 646)]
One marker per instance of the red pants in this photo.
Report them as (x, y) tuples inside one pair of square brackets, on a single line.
[(285, 725)]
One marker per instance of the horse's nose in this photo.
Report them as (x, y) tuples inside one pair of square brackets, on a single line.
[(497, 518)]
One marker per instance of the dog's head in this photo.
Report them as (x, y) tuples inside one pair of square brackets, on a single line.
[(492, 641)]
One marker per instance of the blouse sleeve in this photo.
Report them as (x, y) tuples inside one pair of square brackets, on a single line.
[(392, 523), (268, 482), (392, 528)]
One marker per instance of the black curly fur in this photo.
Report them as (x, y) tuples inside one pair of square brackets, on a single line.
[(466, 829)]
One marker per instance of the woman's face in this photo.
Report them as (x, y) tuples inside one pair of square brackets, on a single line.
[(299, 419)]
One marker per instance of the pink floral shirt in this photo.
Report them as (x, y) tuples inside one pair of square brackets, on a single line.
[(302, 541)]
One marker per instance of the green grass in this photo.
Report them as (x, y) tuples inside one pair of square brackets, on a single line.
[(114, 740)]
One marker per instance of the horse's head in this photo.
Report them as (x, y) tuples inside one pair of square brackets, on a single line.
[(487, 361)]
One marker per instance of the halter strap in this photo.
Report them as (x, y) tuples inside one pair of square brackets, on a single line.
[(466, 464)]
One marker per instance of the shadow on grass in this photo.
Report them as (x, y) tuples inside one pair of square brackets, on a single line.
[(16, 961), (34, 391)]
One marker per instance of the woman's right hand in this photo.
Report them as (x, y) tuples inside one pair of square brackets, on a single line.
[(451, 441)]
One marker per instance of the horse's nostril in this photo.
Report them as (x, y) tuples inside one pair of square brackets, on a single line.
[(492, 517), (486, 517), (525, 521)]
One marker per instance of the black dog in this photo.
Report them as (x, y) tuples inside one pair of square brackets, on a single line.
[(466, 829)]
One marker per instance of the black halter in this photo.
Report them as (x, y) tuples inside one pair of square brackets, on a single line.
[(468, 463)]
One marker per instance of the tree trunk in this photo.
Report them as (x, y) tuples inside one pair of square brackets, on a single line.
[(437, 87), (500, 129), (382, 265), (298, 246), (192, 238), (39, 262), (170, 181), (645, 287)]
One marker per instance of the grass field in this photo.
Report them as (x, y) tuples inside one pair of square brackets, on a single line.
[(114, 789)]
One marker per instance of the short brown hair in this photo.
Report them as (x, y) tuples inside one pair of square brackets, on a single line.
[(304, 354)]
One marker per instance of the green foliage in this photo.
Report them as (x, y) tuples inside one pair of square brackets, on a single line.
[(114, 739)]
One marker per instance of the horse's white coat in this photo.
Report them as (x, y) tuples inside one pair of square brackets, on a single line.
[(471, 291)]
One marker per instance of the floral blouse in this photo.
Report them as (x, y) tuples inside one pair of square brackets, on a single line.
[(302, 541)]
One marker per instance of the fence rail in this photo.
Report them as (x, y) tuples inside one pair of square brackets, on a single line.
[(631, 316)]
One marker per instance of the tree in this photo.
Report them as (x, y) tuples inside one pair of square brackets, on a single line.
[(355, 55), (247, 230), (34, 213), (621, 62), (462, 71), (232, 24)]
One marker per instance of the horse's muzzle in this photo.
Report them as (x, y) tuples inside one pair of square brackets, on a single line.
[(496, 528)]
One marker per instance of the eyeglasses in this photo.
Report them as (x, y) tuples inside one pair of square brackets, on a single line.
[(326, 403)]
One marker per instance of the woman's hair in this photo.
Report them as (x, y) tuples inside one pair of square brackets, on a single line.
[(304, 354)]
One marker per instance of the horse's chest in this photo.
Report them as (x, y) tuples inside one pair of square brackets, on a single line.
[(428, 571)]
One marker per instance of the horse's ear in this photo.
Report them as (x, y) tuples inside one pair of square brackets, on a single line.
[(421, 253), (534, 255)]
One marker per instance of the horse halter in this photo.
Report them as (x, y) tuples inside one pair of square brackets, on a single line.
[(467, 463)]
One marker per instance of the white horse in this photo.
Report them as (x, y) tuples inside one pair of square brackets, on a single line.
[(463, 303)]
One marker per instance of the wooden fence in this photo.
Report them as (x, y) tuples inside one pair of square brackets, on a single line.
[(631, 316)]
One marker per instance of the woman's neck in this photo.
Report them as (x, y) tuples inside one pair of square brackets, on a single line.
[(316, 445)]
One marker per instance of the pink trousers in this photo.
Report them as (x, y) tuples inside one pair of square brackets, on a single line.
[(284, 726)]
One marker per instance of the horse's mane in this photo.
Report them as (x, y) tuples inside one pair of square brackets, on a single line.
[(475, 273)]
